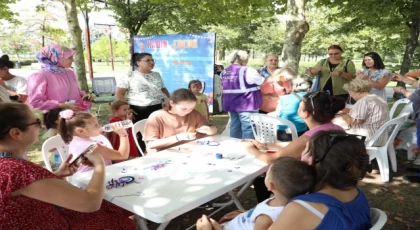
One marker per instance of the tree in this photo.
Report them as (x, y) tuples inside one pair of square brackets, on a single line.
[(100, 49), (5, 12), (76, 41), (184, 15), (296, 29)]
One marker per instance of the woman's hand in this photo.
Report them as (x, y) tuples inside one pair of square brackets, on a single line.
[(397, 77), (230, 216), (66, 169), (256, 144), (336, 73), (343, 111), (204, 223), (118, 129), (93, 159), (89, 96), (398, 89), (186, 136), (362, 76)]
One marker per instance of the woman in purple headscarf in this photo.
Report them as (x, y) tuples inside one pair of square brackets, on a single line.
[(55, 85)]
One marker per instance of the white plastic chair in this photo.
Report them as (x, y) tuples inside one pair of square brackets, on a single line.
[(226, 132), (139, 127), (264, 127), (378, 218), (381, 153), (57, 143), (399, 102)]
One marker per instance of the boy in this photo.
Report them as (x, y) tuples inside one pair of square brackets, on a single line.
[(287, 177), (201, 106), (121, 111)]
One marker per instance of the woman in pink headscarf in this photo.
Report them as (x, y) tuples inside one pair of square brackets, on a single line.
[(55, 85)]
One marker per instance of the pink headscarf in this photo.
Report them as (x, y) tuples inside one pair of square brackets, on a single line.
[(52, 57)]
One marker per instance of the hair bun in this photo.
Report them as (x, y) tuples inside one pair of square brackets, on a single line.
[(5, 57)]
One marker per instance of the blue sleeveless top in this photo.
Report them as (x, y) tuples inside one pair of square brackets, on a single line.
[(351, 215)]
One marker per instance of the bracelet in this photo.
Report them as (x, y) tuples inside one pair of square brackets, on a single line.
[(176, 137)]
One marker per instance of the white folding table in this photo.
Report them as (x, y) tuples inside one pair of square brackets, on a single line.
[(191, 176)]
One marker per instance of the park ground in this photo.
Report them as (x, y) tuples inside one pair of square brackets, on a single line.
[(397, 198)]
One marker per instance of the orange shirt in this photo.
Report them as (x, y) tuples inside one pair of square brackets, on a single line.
[(162, 124)]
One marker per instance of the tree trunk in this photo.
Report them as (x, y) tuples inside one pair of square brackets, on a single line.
[(410, 46), (76, 41), (222, 54), (296, 29), (131, 48)]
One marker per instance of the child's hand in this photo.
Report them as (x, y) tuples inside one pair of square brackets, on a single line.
[(230, 216), (204, 129), (186, 136), (118, 129), (204, 223)]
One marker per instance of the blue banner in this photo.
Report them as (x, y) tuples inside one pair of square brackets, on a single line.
[(180, 58)]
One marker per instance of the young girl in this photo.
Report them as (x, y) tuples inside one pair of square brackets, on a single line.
[(77, 129), (201, 106), (51, 121), (121, 111), (177, 123)]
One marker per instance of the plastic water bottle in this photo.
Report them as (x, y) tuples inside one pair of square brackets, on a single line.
[(126, 124), (57, 159)]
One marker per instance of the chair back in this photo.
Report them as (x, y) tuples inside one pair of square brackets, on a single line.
[(264, 127), (396, 122), (226, 132), (396, 104), (57, 143), (139, 127), (102, 139), (378, 218), (104, 85)]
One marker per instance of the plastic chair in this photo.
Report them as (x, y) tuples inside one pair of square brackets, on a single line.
[(264, 127), (139, 127), (381, 153), (378, 218), (57, 143), (226, 132), (103, 86), (399, 102)]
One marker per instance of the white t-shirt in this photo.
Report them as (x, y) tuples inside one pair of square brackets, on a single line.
[(4, 95), (246, 220), (253, 77), (17, 84), (142, 89)]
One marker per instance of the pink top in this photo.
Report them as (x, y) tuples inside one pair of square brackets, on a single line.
[(323, 127), (78, 145), (46, 90), (271, 91)]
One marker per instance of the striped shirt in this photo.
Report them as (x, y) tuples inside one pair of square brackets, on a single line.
[(374, 112)]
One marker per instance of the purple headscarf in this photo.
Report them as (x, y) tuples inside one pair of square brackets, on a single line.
[(52, 57)]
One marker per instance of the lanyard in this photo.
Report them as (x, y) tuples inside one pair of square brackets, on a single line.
[(9, 155)]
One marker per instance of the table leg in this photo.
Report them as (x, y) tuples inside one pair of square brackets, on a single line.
[(237, 195), (236, 201), (142, 224)]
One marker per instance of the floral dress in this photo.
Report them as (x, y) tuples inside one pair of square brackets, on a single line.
[(21, 212)]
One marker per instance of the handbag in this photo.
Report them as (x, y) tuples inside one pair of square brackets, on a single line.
[(316, 85)]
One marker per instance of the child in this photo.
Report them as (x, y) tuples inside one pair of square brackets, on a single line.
[(121, 109), (201, 106), (287, 177), (51, 121), (77, 129)]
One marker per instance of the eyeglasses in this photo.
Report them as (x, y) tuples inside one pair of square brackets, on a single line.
[(334, 138), (148, 60), (311, 96), (334, 54), (37, 122)]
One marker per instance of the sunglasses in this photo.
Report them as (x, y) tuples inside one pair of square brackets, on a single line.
[(311, 96), (333, 139), (149, 60), (333, 54)]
